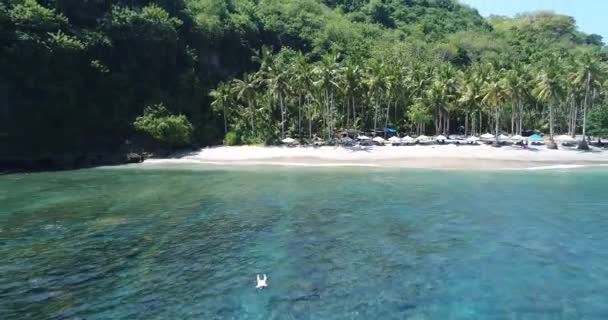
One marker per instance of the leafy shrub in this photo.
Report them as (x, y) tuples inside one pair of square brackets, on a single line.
[(231, 139), (173, 130)]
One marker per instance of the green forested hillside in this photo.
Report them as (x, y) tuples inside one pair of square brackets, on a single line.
[(75, 75)]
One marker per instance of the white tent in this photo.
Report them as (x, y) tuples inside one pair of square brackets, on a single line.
[(440, 138), (394, 139), (487, 136), (288, 140), (378, 139), (423, 138), (363, 138), (503, 137), (564, 138), (472, 139), (408, 139), (517, 138)]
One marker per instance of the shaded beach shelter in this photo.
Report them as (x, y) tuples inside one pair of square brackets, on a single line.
[(408, 140), (487, 136), (394, 140), (565, 139), (440, 138), (288, 140), (517, 138), (472, 140), (423, 138), (378, 139)]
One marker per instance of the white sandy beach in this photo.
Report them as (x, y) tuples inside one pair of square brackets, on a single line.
[(436, 156)]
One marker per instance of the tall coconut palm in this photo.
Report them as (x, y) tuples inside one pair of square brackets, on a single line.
[(516, 86), (587, 75), (470, 97), (443, 95), (494, 93), (222, 101), (246, 90), (301, 83), (547, 89), (326, 81), (377, 84), (279, 87), (351, 77)]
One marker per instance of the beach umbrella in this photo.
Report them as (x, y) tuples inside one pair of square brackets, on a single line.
[(565, 138), (378, 139), (288, 140), (408, 139), (394, 139), (535, 137), (472, 139), (487, 136), (423, 138), (440, 138), (363, 138), (503, 137), (517, 138)]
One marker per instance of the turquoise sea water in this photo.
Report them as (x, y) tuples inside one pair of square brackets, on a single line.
[(169, 243)]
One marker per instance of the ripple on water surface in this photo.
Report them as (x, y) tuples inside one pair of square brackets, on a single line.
[(335, 243)]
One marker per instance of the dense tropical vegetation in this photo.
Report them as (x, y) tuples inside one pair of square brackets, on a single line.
[(75, 75)]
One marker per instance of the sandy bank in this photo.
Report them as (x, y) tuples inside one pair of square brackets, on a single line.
[(444, 156)]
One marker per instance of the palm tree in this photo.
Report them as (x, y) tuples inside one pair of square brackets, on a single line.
[(470, 93), (301, 83), (222, 101), (278, 86), (516, 86), (587, 75), (246, 90), (351, 77), (494, 93), (547, 89), (377, 85), (326, 72)]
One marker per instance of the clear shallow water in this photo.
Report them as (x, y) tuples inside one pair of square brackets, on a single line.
[(130, 243)]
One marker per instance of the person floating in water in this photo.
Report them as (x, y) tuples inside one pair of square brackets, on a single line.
[(262, 282)]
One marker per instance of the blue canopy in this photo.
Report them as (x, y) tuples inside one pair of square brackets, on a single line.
[(390, 130), (535, 137)]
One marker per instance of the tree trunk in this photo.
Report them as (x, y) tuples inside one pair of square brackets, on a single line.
[(496, 111), (310, 128), (551, 122), (521, 117), (252, 116), (513, 118), (473, 124), (388, 109), (300, 116), (282, 116), (587, 87), (354, 109), (347, 107), (225, 122)]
